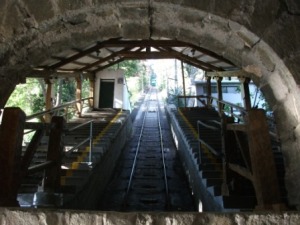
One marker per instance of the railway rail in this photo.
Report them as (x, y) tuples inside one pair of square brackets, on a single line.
[(149, 176)]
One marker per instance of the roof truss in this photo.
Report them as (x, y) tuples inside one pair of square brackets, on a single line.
[(107, 53)]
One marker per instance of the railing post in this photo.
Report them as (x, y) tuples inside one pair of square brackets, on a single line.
[(78, 96), (47, 196), (208, 83), (245, 92), (183, 83), (227, 144), (92, 94), (262, 160), (48, 100), (91, 141), (55, 150), (11, 137), (220, 95)]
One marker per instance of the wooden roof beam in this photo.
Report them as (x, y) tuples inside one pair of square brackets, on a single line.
[(235, 73), (143, 43), (210, 53), (108, 65), (113, 55), (205, 66)]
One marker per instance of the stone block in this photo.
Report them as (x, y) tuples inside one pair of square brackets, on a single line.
[(293, 6), (40, 10), (65, 5)]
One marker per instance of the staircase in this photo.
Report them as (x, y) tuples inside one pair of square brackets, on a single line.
[(77, 166), (207, 159)]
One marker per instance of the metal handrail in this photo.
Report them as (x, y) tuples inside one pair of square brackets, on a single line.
[(206, 125), (210, 98), (210, 148), (90, 138), (55, 108), (40, 166), (78, 126)]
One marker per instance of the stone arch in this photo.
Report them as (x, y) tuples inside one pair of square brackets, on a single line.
[(74, 25)]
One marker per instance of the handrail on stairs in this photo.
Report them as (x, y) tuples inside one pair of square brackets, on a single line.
[(232, 111), (204, 143), (259, 150), (55, 109), (40, 166), (207, 101), (32, 127), (90, 138)]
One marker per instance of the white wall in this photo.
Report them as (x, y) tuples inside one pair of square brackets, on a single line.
[(121, 100), (126, 101), (235, 98)]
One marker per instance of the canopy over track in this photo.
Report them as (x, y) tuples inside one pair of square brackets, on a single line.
[(101, 55)]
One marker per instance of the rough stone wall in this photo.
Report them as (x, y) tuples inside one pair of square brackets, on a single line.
[(261, 37), (51, 217), (38, 24)]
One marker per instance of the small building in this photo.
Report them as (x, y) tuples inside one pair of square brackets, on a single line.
[(111, 90)]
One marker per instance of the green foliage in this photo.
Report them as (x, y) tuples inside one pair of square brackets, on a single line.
[(85, 88), (173, 97), (131, 68), (28, 96), (65, 88), (135, 74), (38, 103), (193, 72)]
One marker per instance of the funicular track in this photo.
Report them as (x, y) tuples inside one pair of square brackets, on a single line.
[(149, 176)]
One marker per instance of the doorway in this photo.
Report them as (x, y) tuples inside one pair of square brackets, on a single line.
[(106, 99)]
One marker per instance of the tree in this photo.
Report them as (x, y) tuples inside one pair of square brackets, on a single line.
[(131, 67), (29, 96)]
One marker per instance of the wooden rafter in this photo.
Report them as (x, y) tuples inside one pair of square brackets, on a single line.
[(113, 55), (188, 59), (109, 65), (165, 51)]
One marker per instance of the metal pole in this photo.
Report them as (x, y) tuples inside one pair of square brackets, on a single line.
[(220, 95), (183, 83), (91, 141), (208, 83)]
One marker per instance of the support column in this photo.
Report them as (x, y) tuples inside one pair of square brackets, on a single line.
[(55, 150), (48, 100), (245, 92), (262, 160), (220, 94), (6, 89), (183, 83), (208, 88), (78, 96), (11, 137), (92, 92), (227, 149)]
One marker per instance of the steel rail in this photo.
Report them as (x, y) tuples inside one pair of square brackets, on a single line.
[(162, 153), (136, 154), (148, 108)]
